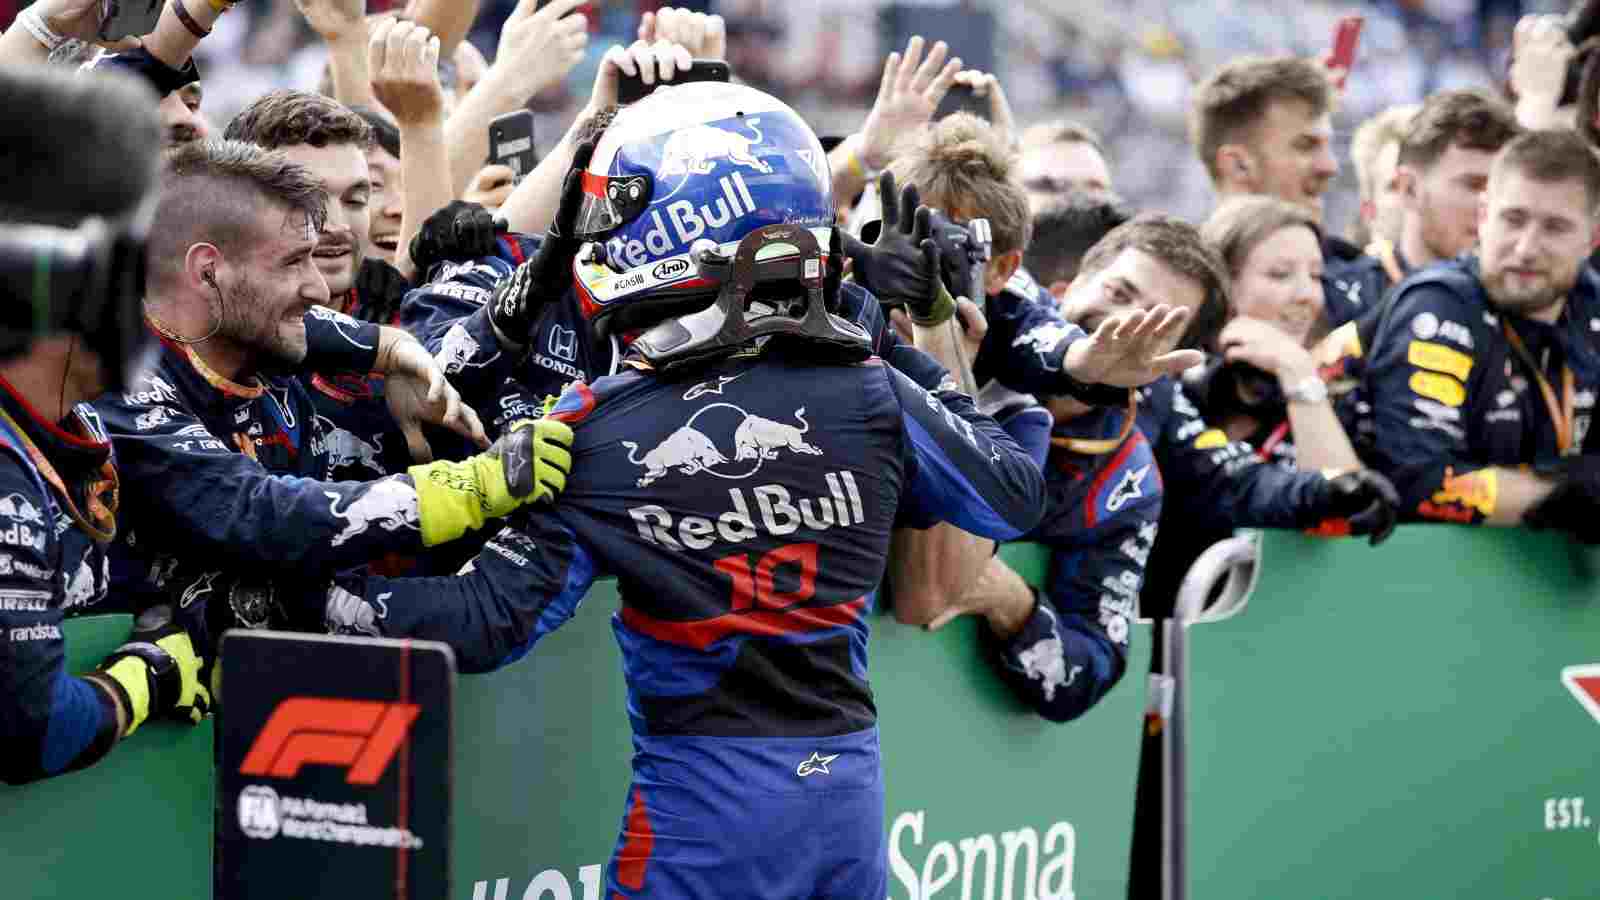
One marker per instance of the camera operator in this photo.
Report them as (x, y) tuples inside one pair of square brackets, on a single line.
[(66, 339)]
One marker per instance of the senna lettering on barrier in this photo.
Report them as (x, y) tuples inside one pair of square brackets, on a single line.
[(1015, 857), (1011, 866), (361, 735)]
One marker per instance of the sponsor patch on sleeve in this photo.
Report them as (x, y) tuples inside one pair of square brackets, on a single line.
[(1439, 358), (1438, 387), (1211, 439)]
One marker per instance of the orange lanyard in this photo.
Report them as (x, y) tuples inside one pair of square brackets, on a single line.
[(101, 523), (1562, 414)]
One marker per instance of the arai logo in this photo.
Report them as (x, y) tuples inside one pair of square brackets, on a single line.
[(670, 268)]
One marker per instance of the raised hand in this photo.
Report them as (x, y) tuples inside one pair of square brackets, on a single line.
[(1133, 348), (333, 19), (539, 46), (911, 89), (404, 58), (704, 36)]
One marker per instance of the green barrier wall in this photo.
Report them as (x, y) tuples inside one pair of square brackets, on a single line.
[(541, 764), (1391, 722)]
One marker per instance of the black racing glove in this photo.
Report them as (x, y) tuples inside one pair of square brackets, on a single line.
[(1356, 503), (1574, 505), (456, 232), (895, 267), (380, 289), (518, 300)]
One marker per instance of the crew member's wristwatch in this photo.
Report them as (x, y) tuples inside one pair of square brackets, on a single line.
[(1310, 389)]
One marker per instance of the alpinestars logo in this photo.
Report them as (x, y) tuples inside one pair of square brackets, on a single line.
[(1584, 683), (361, 736), (816, 765)]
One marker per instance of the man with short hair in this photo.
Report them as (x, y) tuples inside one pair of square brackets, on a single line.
[(333, 143), (1065, 230), (1373, 149), (1263, 125), (962, 167), (1486, 366), (1061, 156), (1205, 476), (1441, 169), (330, 141), (223, 456)]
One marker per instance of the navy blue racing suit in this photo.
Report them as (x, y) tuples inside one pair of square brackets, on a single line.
[(1213, 485), (746, 512), (50, 721), (218, 474), (1021, 355), (1100, 521), (1450, 396)]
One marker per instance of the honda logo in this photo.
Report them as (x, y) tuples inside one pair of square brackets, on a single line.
[(563, 343), (360, 735)]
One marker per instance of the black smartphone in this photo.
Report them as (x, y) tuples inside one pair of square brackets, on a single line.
[(125, 18), (633, 89), (511, 142), (960, 98)]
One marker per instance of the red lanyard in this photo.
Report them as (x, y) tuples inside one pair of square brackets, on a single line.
[(1264, 452), (1563, 413)]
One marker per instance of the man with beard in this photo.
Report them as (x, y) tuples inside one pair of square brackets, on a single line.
[(1486, 366), (221, 453), (332, 142), (1440, 173)]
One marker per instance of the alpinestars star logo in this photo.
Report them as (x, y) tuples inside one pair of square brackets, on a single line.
[(1584, 683), (816, 764)]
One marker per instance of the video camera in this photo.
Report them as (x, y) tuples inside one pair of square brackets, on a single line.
[(89, 280)]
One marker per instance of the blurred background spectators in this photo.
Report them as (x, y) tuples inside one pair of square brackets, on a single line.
[(1121, 66)]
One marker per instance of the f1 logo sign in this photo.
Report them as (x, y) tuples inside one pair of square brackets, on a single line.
[(361, 735), (1584, 683)]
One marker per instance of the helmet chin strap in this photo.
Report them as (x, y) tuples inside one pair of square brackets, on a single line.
[(793, 257)]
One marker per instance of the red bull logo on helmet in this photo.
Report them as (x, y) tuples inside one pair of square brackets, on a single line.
[(719, 160)]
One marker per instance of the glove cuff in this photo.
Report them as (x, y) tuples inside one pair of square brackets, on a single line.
[(133, 679), (940, 311), (456, 497)]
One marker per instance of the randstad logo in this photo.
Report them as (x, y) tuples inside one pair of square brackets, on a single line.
[(690, 451), (687, 221)]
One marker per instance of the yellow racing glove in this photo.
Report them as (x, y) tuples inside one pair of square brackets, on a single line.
[(158, 672), (529, 463)]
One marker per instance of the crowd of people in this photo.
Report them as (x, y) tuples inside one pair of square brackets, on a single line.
[(325, 368)]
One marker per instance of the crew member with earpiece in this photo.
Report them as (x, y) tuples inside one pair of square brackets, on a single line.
[(66, 335)]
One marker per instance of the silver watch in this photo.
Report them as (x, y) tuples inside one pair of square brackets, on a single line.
[(1310, 389)]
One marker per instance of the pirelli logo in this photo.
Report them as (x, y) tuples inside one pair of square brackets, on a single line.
[(362, 736)]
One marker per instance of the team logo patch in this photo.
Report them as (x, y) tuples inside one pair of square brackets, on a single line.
[(690, 451)]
